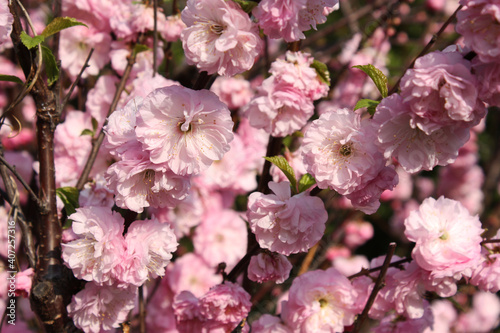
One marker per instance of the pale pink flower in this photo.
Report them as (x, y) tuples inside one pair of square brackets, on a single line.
[(220, 37), (478, 22), (234, 91), (442, 91), (97, 308), (487, 275), (351, 265), (268, 266), (23, 282), (100, 97), (270, 324), (96, 193), (339, 152), (295, 69), (399, 137), (98, 249), (280, 19), (186, 308), (172, 28), (320, 301), (279, 109), (142, 19), (149, 248), (255, 142), (447, 238), (488, 76), (394, 323), (357, 232), (75, 47), (221, 237), (6, 21), (403, 189), (120, 52), (224, 306), (283, 223), (444, 315), (315, 13), (184, 129), (137, 183), (159, 312), (190, 272), (483, 316)]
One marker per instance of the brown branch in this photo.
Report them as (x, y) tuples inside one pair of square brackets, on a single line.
[(490, 241), (427, 47), (100, 138), (142, 311), (378, 268), (308, 259), (379, 284)]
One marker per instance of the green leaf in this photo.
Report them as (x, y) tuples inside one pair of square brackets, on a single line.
[(31, 42), (69, 196), (283, 165), (322, 71), (94, 124), (10, 78), (87, 132), (377, 76), (138, 48), (247, 6), (51, 67), (367, 103), (60, 23), (305, 182)]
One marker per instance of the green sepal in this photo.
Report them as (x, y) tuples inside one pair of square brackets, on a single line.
[(87, 132), (322, 71), (69, 196), (138, 48), (94, 124), (377, 77)]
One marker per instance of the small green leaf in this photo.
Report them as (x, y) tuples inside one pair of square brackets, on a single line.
[(94, 124), (60, 23), (69, 196), (377, 76), (87, 132), (367, 103), (322, 71), (31, 42), (10, 78), (247, 6), (305, 182), (51, 67), (138, 48), (283, 165)]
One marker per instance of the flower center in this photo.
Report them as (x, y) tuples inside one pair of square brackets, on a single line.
[(217, 29), (345, 149), (444, 235), (323, 302), (148, 177)]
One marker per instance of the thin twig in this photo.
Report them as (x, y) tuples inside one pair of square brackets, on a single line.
[(379, 284), (378, 268), (155, 35), (73, 85), (100, 138), (490, 241), (23, 182), (142, 311), (308, 259), (427, 47)]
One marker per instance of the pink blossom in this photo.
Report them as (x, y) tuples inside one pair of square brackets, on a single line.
[(98, 308), (172, 28), (99, 248), (142, 19), (234, 91), (280, 19), (186, 308), (6, 21), (399, 137), (483, 316), (357, 232), (221, 237), (351, 265), (447, 238), (339, 153), (441, 91), (444, 315), (100, 97), (403, 189), (268, 266), (478, 23), (150, 245), (270, 324), (320, 301), (487, 275), (283, 223), (315, 13), (23, 282), (279, 109), (393, 323), (184, 129), (220, 37), (488, 76), (137, 183), (224, 306), (96, 193), (75, 47), (19, 140), (191, 273)]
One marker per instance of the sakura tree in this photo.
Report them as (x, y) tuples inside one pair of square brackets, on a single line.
[(292, 166)]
